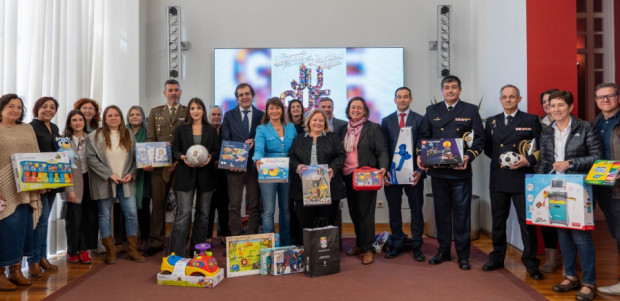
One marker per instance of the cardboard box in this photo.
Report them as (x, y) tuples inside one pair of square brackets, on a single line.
[(234, 155), (441, 152), (401, 167), (288, 261), (243, 253), (178, 277), (603, 172), (266, 260), (315, 185), (559, 200), (273, 170), (156, 154), (35, 171)]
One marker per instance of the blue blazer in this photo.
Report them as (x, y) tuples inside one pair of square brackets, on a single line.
[(268, 144)]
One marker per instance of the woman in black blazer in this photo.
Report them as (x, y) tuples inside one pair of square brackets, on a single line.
[(195, 130), (363, 144)]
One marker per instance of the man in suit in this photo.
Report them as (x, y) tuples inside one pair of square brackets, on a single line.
[(507, 132), (391, 125), (162, 122), (452, 187), (327, 105), (240, 125)]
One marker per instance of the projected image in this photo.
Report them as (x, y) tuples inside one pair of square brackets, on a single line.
[(311, 73)]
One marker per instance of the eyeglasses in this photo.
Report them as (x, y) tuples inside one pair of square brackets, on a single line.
[(610, 97)]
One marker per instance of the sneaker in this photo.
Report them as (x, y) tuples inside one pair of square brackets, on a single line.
[(72, 258), (610, 290), (85, 257)]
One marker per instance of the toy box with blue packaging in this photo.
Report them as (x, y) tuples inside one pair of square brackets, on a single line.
[(156, 154), (200, 271), (401, 167), (266, 260), (288, 261), (36, 171), (559, 200), (273, 170)]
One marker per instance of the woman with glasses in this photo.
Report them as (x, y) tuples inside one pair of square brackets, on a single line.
[(219, 200), (296, 114), (81, 224), (90, 108)]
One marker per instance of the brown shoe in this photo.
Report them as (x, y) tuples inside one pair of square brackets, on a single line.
[(35, 270), (354, 251), (570, 285), (46, 265), (586, 296), (5, 284), (16, 276), (132, 252), (110, 255), (369, 257)]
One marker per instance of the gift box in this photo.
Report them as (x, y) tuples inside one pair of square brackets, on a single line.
[(273, 170), (266, 261), (366, 178), (441, 152), (35, 171), (315, 185), (559, 200), (603, 172), (234, 155), (288, 261), (401, 168), (156, 154)]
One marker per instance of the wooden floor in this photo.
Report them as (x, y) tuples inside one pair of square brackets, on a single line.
[(606, 259)]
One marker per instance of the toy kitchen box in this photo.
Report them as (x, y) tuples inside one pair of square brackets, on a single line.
[(401, 167), (35, 171), (559, 200), (441, 152)]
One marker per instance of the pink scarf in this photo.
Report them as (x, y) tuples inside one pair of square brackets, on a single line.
[(353, 130)]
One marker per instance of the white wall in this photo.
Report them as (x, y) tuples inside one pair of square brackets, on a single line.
[(488, 46)]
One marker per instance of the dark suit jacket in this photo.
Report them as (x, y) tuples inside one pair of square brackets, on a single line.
[(500, 138), (439, 123), (338, 124), (232, 127), (190, 177), (370, 147), (390, 125)]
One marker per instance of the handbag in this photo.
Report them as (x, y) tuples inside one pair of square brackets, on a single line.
[(367, 178), (321, 248)]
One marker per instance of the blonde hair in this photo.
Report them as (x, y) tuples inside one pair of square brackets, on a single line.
[(314, 112)]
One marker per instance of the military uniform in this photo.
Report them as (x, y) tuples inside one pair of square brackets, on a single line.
[(160, 128), (508, 184)]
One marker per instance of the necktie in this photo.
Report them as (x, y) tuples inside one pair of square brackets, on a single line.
[(402, 120), (450, 108), (173, 112), (509, 120), (246, 122)]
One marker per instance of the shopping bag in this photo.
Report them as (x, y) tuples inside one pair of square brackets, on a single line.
[(322, 251)]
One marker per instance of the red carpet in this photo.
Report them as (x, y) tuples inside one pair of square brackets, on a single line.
[(394, 279)]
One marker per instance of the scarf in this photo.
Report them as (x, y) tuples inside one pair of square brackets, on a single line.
[(353, 130), (140, 137)]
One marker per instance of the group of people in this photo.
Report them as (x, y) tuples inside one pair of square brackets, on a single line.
[(106, 171)]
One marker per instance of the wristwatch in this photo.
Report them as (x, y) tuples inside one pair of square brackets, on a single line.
[(570, 163)]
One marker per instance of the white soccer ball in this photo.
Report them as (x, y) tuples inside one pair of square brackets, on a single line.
[(197, 155), (507, 159)]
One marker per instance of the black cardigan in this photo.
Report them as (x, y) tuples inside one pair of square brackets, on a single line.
[(370, 147), (45, 139), (189, 178)]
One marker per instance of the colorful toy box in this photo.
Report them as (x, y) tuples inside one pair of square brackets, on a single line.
[(288, 261), (367, 178), (243, 253), (273, 170), (156, 154), (35, 171), (441, 152), (266, 260), (200, 271), (603, 172), (234, 155), (401, 167), (559, 200), (315, 185)]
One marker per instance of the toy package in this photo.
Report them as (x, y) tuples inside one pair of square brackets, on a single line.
[(367, 178), (200, 271), (35, 171), (559, 200), (234, 155), (266, 260), (273, 170), (315, 185), (603, 172), (288, 261), (243, 253), (441, 152), (401, 167), (156, 154)]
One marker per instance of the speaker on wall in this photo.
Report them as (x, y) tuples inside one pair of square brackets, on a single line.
[(174, 41), (444, 37)]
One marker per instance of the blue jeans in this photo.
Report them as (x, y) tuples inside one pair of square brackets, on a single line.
[(16, 235), (39, 236), (130, 211), (580, 242), (183, 220), (268, 192)]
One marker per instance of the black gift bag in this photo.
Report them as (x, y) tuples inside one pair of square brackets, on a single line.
[(321, 248)]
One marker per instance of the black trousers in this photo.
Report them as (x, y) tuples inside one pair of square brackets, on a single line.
[(500, 209), (236, 181), (452, 204), (144, 219), (219, 202), (550, 237), (415, 198), (82, 223), (362, 210)]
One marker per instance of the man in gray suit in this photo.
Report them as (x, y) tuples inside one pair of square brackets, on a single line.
[(327, 105)]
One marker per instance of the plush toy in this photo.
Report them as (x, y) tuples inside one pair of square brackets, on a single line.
[(64, 145)]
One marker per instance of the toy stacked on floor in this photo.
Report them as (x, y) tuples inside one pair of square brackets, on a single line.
[(200, 271), (35, 171)]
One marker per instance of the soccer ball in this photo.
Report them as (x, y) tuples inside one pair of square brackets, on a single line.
[(197, 155), (507, 159)]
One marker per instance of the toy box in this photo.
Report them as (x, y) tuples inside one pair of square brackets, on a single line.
[(243, 253), (288, 261), (35, 171), (367, 178), (559, 200), (441, 152), (315, 185), (603, 172), (156, 154), (266, 260), (200, 271), (273, 170), (234, 155), (401, 167)]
